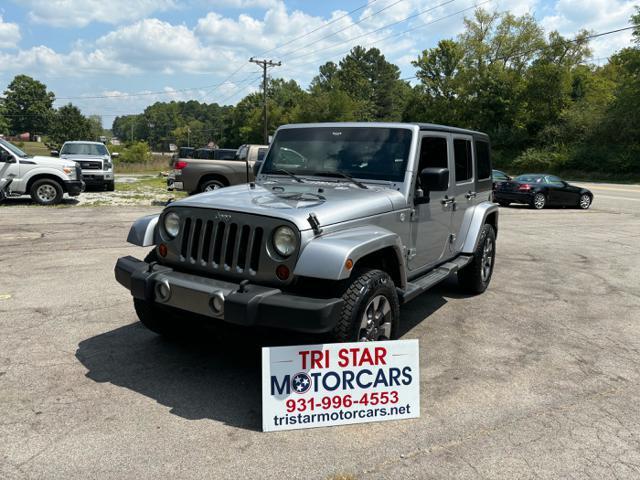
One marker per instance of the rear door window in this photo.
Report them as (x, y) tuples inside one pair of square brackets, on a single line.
[(484, 160), (463, 160)]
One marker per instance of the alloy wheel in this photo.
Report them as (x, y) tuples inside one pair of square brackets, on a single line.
[(487, 260), (585, 201), (376, 320), (539, 201)]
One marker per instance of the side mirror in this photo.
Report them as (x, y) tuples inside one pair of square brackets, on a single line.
[(6, 157), (115, 155), (434, 179), (54, 153)]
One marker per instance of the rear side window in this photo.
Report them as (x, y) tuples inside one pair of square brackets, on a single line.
[(484, 162), (261, 153), (433, 153), (463, 158)]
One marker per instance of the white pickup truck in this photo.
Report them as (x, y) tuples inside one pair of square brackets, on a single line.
[(46, 179)]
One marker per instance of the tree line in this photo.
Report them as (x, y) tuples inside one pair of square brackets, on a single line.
[(544, 105)]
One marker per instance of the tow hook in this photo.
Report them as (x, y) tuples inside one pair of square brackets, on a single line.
[(242, 288)]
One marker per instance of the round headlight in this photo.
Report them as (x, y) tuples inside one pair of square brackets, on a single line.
[(172, 224), (284, 241)]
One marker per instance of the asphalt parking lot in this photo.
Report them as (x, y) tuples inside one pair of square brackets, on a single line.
[(537, 378)]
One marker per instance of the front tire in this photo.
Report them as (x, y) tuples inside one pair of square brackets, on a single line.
[(110, 186), (585, 201), (46, 192), (371, 310), (475, 277)]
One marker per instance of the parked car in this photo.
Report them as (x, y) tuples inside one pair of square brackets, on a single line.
[(46, 179), (198, 175), (498, 176), (94, 159), (345, 222), (540, 190)]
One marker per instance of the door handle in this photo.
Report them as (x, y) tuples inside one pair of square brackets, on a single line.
[(446, 201), (471, 195)]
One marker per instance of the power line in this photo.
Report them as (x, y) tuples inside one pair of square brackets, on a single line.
[(384, 27), (343, 29), (398, 33), (216, 85), (566, 42), (348, 14)]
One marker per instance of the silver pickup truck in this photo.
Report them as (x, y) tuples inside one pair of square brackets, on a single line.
[(345, 222)]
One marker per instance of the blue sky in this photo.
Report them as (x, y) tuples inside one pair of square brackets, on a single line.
[(159, 48)]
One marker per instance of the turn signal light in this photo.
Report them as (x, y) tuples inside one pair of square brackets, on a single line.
[(180, 164), (282, 272), (348, 264), (525, 187), (162, 250)]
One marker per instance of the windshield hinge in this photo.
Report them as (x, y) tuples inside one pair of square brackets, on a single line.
[(315, 223)]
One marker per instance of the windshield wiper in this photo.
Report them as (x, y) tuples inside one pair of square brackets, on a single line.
[(338, 173), (286, 172)]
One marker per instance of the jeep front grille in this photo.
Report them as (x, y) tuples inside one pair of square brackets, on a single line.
[(221, 246)]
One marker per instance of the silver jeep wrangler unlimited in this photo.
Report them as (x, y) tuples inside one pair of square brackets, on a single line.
[(345, 222)]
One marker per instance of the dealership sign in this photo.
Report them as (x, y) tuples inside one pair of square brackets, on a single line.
[(336, 384)]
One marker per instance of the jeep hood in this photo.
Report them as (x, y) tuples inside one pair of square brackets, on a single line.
[(331, 202)]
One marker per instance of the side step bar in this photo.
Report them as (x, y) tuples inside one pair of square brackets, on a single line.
[(422, 284)]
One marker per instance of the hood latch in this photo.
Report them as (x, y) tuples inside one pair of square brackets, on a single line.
[(315, 223)]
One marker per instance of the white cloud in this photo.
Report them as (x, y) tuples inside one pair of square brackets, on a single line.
[(80, 13), (9, 34), (571, 16), (244, 3)]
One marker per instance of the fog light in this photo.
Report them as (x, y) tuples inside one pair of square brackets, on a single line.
[(163, 291), (162, 250), (282, 272), (216, 303)]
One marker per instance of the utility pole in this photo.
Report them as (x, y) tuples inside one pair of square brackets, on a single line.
[(265, 64)]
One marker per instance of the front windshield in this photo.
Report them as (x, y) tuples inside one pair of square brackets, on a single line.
[(96, 149), (15, 150), (375, 153)]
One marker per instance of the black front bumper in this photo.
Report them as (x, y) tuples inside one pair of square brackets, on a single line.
[(255, 306), (96, 180), (74, 187)]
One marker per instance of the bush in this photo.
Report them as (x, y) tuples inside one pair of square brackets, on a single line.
[(138, 152), (541, 160)]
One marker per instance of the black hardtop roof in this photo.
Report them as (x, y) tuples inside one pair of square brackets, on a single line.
[(446, 128)]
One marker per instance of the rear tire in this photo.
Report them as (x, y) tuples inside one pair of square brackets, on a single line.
[(371, 309), (211, 185), (539, 201), (46, 192), (475, 277)]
